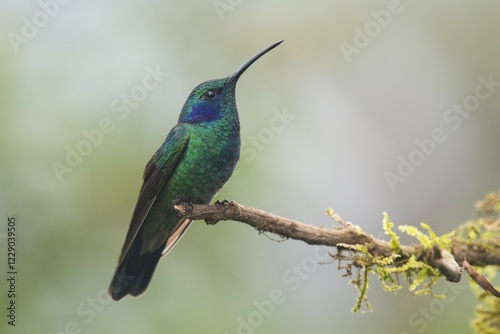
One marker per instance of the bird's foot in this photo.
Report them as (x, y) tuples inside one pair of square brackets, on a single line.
[(184, 208), (223, 203)]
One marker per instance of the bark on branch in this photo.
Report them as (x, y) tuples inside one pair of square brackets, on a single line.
[(348, 234)]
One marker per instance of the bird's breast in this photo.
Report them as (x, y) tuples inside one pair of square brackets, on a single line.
[(207, 164)]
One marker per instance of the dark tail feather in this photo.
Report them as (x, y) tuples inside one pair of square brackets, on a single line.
[(134, 273)]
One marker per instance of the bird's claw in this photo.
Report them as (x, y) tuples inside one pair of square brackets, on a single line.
[(184, 208), (223, 203)]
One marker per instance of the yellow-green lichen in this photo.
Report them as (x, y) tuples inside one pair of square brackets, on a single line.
[(387, 226), (411, 264), (419, 275)]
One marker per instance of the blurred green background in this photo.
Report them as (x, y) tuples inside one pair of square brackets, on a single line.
[(65, 67)]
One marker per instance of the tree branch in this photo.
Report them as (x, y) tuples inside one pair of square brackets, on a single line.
[(263, 221)]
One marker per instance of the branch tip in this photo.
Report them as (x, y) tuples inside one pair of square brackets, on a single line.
[(480, 279), (445, 262)]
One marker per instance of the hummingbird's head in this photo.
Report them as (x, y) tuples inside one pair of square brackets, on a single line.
[(214, 99), (209, 101)]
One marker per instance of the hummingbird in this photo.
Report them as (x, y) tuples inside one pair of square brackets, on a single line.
[(193, 163)]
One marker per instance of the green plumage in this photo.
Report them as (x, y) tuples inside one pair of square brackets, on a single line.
[(193, 163)]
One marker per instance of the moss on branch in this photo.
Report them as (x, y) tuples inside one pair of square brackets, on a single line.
[(359, 253)]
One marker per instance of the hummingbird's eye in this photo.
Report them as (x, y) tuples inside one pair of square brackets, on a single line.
[(209, 94)]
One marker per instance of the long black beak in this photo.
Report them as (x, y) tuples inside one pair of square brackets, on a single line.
[(235, 76)]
